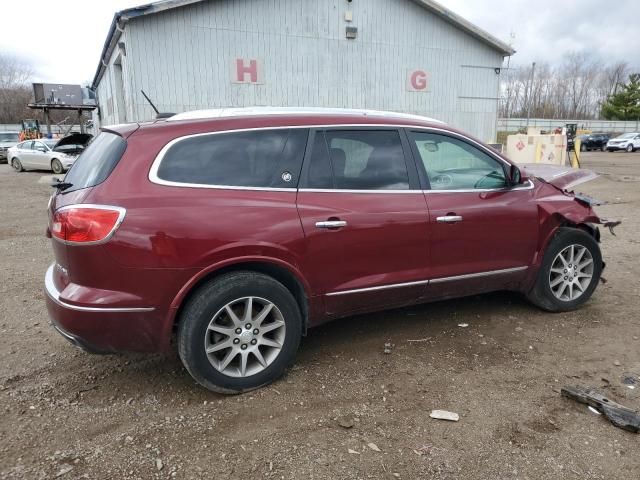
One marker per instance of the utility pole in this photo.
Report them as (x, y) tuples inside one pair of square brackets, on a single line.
[(533, 71)]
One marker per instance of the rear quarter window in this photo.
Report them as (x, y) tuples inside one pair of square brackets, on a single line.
[(258, 158), (96, 162)]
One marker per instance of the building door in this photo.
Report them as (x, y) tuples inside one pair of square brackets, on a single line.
[(121, 106)]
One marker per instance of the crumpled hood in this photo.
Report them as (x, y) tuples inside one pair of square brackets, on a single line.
[(564, 178)]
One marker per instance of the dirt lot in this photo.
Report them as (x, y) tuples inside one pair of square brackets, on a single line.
[(73, 415)]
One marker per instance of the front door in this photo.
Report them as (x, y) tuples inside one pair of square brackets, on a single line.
[(364, 219), (483, 233)]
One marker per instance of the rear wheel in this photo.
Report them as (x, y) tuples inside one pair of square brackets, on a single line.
[(17, 166), (239, 332), (56, 166), (569, 273)]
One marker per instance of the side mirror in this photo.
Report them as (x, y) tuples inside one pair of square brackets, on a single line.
[(515, 176)]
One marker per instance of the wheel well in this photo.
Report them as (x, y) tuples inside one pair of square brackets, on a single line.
[(281, 274)]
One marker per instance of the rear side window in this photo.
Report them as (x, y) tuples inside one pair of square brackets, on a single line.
[(96, 162), (257, 158), (358, 160)]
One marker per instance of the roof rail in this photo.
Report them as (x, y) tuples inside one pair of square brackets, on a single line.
[(255, 111)]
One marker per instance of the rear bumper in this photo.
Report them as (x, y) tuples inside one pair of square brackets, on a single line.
[(101, 328)]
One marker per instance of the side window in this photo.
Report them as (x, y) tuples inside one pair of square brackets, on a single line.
[(257, 158), (26, 145), (320, 175), (452, 164), (367, 160)]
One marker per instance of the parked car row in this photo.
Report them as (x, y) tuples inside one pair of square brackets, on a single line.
[(229, 233), (47, 154)]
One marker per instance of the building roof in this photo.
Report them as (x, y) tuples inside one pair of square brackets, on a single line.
[(123, 16)]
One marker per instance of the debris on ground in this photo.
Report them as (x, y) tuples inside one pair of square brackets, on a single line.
[(444, 415), (617, 414), (354, 452), (630, 380), (346, 421), (388, 347), (373, 447), (418, 340), (463, 325), (617, 363)]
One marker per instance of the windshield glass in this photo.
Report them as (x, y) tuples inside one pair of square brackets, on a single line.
[(49, 142), (8, 137), (627, 135)]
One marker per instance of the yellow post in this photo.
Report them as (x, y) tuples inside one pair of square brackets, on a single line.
[(575, 160)]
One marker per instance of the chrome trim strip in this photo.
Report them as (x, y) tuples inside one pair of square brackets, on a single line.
[(54, 294), (153, 171), (484, 190), (426, 282), (381, 287), (337, 190), (121, 213), (478, 275)]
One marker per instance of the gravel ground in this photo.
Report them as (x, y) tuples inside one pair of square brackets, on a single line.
[(346, 409)]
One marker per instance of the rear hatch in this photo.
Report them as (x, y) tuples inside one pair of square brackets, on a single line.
[(93, 166)]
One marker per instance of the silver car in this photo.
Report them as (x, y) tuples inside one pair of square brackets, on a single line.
[(47, 154), (7, 140)]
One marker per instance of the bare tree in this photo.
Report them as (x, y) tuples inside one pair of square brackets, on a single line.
[(574, 89), (15, 92)]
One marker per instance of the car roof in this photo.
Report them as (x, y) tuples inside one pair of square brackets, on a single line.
[(203, 121)]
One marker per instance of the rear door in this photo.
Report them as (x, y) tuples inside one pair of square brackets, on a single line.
[(364, 219), (483, 232), (26, 154)]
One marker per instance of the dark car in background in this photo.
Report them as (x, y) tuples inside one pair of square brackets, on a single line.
[(593, 141), (227, 234)]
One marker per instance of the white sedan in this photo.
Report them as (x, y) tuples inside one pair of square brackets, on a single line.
[(47, 154)]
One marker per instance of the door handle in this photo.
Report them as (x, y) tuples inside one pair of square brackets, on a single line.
[(331, 224), (449, 219)]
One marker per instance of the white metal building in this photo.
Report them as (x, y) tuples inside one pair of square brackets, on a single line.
[(411, 56)]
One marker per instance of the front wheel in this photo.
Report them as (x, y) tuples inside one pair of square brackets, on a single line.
[(570, 271), (56, 166), (583, 148), (239, 332), (629, 148), (17, 166)]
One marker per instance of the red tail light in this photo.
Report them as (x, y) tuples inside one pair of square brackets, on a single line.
[(86, 223)]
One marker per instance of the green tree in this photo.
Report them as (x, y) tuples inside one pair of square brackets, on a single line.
[(624, 105)]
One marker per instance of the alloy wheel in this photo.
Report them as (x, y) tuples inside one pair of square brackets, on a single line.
[(245, 336), (571, 272)]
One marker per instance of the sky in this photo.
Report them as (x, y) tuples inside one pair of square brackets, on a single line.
[(540, 30)]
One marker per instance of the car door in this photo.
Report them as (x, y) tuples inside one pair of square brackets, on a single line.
[(25, 153), (365, 220), (483, 232), (40, 156)]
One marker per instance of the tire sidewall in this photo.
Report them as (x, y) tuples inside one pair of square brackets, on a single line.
[(564, 238), (54, 162), (16, 164), (207, 302)]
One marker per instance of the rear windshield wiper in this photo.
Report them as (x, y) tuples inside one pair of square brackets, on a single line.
[(61, 186)]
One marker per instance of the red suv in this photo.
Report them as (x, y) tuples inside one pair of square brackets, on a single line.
[(231, 232)]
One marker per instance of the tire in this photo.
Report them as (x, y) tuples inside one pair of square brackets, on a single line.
[(56, 166), (583, 148), (17, 166), (207, 308), (629, 148), (542, 294), (602, 148)]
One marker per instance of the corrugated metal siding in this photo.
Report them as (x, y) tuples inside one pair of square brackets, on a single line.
[(182, 59)]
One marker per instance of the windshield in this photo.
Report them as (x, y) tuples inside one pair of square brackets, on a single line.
[(49, 142), (627, 135), (9, 137)]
